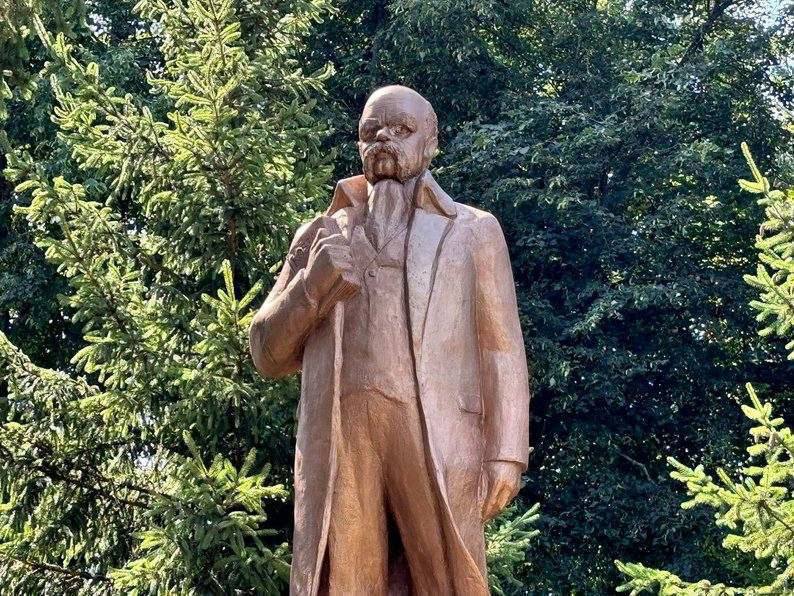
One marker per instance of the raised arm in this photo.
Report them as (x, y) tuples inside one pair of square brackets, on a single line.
[(318, 260)]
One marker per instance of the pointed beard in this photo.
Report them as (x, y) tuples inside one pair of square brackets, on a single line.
[(388, 206)]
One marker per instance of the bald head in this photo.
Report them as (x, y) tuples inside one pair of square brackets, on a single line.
[(397, 134), (398, 94)]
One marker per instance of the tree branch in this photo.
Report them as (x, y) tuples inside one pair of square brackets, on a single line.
[(636, 463), (696, 44), (49, 567)]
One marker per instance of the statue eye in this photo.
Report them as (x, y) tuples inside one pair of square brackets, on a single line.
[(400, 130), (367, 133)]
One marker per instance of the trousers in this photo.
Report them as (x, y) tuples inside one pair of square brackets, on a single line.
[(383, 479)]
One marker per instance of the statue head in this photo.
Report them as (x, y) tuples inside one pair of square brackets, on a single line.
[(397, 134)]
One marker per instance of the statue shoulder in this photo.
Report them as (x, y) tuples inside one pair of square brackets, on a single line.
[(486, 240), (482, 221)]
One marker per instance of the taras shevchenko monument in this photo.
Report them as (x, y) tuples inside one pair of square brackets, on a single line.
[(398, 306)]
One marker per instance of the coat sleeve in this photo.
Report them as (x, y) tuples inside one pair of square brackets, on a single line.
[(283, 322), (503, 363)]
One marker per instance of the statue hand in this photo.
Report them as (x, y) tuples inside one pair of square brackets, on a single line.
[(504, 480), (329, 262)]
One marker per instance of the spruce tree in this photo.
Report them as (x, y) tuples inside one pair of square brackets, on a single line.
[(757, 509), (146, 466), (29, 313), (508, 539), (774, 277)]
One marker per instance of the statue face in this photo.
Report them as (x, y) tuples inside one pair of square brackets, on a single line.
[(395, 135)]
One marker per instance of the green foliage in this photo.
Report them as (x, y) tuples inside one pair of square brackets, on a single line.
[(69, 498), (218, 513), (612, 178), (18, 77), (602, 134), (162, 198), (757, 510), (508, 537), (29, 312), (775, 274), (665, 583)]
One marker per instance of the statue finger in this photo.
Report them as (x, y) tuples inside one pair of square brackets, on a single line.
[(329, 239), (341, 260), (505, 496), (498, 503), (496, 498), (488, 506), (321, 233), (515, 487)]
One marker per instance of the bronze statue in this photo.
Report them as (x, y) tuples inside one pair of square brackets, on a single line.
[(398, 306)]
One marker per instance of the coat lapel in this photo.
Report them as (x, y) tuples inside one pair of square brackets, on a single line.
[(434, 214), (426, 236)]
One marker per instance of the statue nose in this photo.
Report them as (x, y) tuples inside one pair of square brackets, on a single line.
[(382, 135)]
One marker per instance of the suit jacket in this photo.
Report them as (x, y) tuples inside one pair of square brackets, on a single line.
[(471, 370)]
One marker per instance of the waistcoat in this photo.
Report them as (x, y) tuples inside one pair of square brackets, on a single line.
[(376, 330)]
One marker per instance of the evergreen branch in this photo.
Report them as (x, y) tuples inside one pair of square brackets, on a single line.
[(114, 309), (777, 298), (50, 472), (218, 37), (778, 517), (49, 567), (164, 361), (61, 53)]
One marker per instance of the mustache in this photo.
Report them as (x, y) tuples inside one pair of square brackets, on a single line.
[(373, 149)]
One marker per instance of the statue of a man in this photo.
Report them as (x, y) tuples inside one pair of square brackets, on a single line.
[(398, 306)]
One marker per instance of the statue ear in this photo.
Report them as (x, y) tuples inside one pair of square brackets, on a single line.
[(431, 146)]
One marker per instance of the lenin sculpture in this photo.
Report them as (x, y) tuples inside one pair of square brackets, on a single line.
[(398, 305)]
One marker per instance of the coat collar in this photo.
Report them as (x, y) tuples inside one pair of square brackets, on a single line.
[(428, 195)]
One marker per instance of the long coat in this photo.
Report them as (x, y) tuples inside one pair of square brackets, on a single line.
[(471, 370)]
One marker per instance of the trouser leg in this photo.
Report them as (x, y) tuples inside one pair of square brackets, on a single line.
[(357, 538), (413, 502)]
